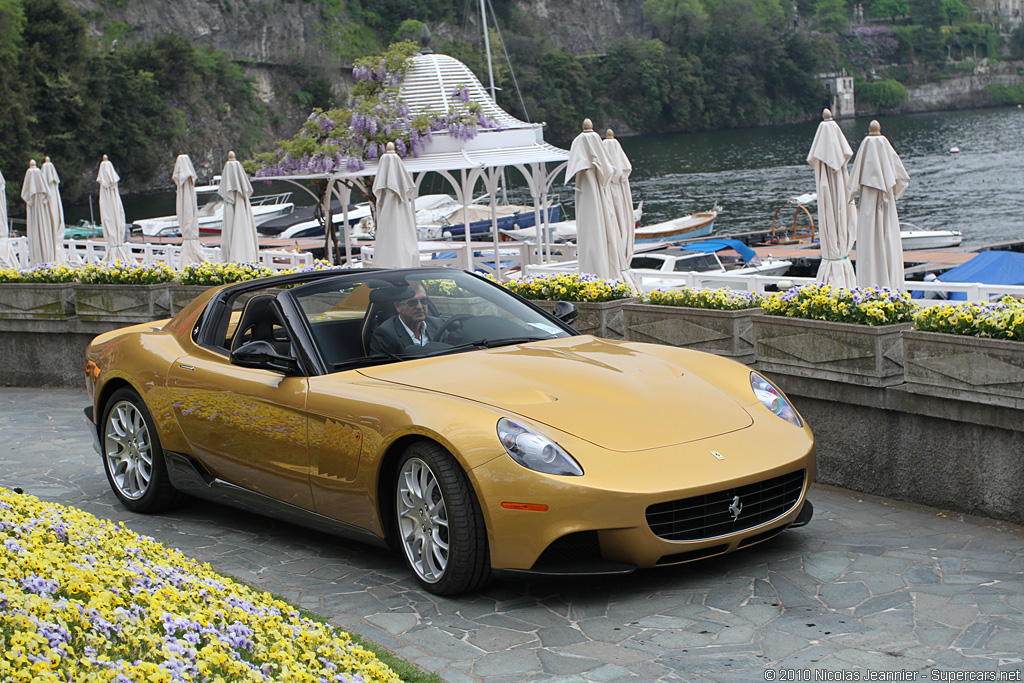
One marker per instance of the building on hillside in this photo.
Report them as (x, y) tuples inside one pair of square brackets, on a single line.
[(840, 90), (1005, 15)]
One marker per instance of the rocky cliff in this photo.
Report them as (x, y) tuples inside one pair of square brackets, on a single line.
[(288, 32), (280, 42)]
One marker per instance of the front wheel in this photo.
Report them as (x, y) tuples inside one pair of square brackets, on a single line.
[(440, 527), (132, 457)]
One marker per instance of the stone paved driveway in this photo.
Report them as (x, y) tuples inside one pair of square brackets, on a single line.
[(870, 587)]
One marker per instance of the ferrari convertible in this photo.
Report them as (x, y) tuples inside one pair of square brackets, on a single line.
[(433, 411)]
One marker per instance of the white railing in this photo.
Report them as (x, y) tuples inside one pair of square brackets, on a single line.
[(84, 252), (647, 281)]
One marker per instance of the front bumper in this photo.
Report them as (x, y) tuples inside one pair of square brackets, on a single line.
[(598, 523)]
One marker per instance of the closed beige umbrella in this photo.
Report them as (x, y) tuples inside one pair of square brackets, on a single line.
[(598, 241), (55, 206), (39, 223), (187, 211), (394, 243), (879, 175), (8, 259), (837, 214), (622, 196), (238, 241), (112, 213)]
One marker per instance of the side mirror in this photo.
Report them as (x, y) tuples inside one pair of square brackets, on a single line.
[(262, 355), (566, 312)]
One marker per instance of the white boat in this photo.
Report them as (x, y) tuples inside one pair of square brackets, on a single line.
[(211, 214), (916, 238), (726, 256), (911, 236)]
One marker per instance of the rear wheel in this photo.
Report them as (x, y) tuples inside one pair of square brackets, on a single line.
[(132, 457), (440, 526)]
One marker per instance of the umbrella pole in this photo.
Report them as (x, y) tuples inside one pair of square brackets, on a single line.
[(346, 197)]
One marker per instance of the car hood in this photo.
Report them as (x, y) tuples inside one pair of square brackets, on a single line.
[(607, 393)]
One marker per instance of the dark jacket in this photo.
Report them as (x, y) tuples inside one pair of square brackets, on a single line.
[(391, 337)]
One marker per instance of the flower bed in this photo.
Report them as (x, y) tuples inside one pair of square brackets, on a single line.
[(121, 273), (570, 287), (213, 274), (968, 351), (860, 306), (88, 600), (717, 321), (832, 333), (1002, 320), (722, 299)]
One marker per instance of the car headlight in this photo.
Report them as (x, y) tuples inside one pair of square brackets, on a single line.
[(774, 400), (535, 451)]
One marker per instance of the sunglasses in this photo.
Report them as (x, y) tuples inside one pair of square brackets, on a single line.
[(419, 301)]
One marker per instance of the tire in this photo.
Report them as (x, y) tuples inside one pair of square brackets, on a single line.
[(132, 456), (438, 523)]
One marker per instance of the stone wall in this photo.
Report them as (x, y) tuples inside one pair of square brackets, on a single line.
[(965, 92), (955, 455)]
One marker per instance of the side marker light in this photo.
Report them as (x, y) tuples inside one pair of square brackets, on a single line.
[(532, 507)]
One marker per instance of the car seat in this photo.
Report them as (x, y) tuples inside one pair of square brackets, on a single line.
[(258, 322)]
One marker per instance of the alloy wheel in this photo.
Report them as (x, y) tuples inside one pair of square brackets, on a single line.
[(128, 450), (423, 520)]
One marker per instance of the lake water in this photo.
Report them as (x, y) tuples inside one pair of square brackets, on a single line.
[(751, 172)]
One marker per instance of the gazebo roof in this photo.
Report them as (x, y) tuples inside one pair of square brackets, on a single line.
[(428, 87)]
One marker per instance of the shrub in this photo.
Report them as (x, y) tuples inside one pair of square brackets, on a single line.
[(887, 94)]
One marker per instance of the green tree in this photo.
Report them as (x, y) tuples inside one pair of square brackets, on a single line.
[(890, 9), (954, 11), (928, 13), (681, 23), (56, 74), (14, 135), (831, 15)]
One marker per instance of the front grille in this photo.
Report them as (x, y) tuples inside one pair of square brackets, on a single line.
[(710, 516)]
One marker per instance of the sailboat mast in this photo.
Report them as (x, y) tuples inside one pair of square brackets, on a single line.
[(490, 74), (487, 47)]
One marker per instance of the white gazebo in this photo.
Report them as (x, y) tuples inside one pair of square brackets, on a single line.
[(428, 86)]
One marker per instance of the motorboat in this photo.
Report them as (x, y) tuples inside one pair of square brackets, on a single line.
[(728, 256), (211, 214), (914, 237), (804, 229), (509, 217), (302, 221)]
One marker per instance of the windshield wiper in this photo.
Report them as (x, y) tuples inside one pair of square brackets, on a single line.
[(503, 341), (375, 359)]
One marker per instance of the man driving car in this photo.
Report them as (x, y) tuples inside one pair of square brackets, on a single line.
[(410, 327)]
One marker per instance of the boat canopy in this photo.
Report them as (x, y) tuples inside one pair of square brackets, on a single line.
[(988, 267), (746, 253)]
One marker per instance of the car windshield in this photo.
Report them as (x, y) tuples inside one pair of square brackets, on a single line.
[(389, 316)]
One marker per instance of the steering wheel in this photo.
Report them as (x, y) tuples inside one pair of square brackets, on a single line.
[(449, 324)]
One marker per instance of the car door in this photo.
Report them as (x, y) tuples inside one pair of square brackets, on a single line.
[(247, 426)]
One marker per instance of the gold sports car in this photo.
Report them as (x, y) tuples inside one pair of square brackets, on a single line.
[(499, 440)]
